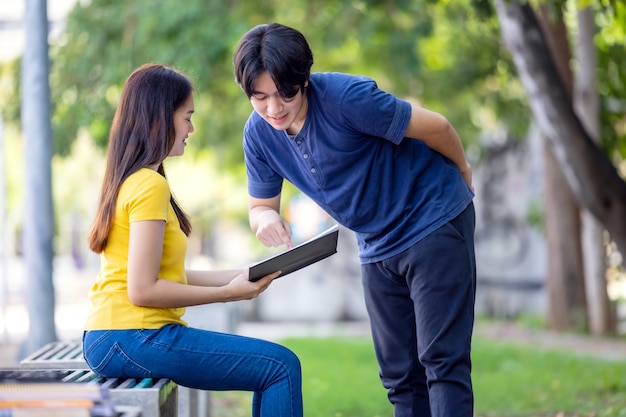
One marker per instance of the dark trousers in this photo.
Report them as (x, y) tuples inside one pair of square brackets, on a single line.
[(421, 308)]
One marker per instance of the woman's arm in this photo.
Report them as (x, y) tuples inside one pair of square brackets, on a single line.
[(147, 290), (213, 278)]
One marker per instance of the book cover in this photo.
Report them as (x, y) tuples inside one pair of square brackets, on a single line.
[(313, 250)]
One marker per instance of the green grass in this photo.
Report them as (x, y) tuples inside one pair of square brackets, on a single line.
[(340, 379), (525, 381)]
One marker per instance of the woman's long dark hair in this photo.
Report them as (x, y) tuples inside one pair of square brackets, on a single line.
[(142, 135)]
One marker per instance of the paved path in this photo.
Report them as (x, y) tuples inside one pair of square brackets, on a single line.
[(613, 348)]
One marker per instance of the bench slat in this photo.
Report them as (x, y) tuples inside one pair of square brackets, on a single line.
[(157, 397)]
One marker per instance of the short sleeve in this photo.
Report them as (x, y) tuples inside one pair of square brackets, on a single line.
[(146, 196), (375, 112)]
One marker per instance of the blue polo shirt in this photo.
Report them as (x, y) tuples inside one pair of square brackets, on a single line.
[(352, 159)]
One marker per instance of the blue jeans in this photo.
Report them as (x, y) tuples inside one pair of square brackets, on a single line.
[(421, 309), (203, 360)]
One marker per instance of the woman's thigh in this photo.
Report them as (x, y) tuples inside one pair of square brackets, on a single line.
[(191, 357)]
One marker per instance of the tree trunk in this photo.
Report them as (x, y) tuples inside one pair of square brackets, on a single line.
[(601, 314), (589, 172), (565, 281), (38, 211), (567, 308)]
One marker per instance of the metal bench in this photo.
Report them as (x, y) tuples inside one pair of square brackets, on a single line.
[(157, 397), (57, 355), (69, 355), (145, 397)]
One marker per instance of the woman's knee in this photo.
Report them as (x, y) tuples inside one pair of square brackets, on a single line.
[(290, 360)]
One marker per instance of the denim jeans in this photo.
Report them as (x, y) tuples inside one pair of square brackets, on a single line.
[(421, 308), (202, 359)]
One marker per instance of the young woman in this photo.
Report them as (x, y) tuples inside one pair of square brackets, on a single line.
[(135, 327)]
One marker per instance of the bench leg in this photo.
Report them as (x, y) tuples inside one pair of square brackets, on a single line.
[(193, 402)]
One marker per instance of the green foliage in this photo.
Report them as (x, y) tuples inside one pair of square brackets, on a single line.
[(14, 174), (10, 91), (469, 75), (611, 42), (610, 19), (444, 54), (106, 39), (405, 46)]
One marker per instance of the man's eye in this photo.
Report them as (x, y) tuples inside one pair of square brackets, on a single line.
[(289, 95), (258, 97)]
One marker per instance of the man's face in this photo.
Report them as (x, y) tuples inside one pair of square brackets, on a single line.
[(282, 113)]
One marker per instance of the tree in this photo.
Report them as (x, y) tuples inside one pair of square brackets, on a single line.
[(38, 211), (589, 172), (601, 315), (565, 284)]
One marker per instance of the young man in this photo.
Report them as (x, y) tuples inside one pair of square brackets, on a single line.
[(396, 175)]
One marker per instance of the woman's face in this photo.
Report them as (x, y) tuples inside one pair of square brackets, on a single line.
[(183, 126), (282, 113)]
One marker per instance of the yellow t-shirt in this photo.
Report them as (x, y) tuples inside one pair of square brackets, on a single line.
[(145, 195)]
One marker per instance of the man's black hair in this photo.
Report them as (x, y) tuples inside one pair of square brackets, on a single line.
[(281, 51)]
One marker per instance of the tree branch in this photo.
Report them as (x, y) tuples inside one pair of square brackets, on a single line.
[(588, 170)]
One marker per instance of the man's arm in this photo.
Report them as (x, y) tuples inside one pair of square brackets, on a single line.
[(438, 134), (271, 229)]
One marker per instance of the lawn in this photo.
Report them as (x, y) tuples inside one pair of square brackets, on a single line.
[(340, 379)]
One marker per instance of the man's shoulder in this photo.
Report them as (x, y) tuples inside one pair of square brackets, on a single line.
[(337, 79), (337, 87)]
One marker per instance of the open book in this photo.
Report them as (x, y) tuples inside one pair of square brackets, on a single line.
[(313, 250)]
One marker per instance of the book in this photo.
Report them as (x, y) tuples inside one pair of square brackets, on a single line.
[(307, 253)]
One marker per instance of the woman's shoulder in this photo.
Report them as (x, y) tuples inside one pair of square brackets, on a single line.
[(144, 176), (144, 181)]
